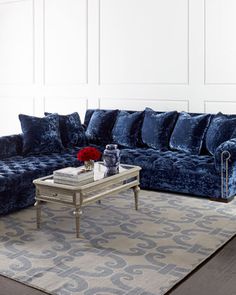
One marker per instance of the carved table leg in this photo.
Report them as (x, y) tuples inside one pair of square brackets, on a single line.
[(77, 214), (136, 190), (38, 213)]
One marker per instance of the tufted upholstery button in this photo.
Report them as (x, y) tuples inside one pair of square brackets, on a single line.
[(175, 171), (20, 171)]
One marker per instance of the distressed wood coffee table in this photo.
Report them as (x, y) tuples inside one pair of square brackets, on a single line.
[(79, 196)]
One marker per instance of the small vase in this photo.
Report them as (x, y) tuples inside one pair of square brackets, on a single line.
[(89, 165), (111, 159)]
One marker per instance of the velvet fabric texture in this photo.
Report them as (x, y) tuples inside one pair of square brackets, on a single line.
[(221, 129), (229, 149), (88, 116), (161, 170), (178, 172), (189, 133), (17, 173), (127, 129), (10, 146), (100, 126), (71, 130), (14, 200), (40, 135), (165, 170), (157, 128)]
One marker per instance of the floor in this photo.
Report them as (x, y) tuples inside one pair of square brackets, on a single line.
[(217, 276)]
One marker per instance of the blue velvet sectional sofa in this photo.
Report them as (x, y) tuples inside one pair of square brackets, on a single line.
[(185, 153)]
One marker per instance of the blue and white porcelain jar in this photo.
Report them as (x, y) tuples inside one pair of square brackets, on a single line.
[(111, 159)]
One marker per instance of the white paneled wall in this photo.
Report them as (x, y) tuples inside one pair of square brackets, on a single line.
[(16, 42), (155, 104), (65, 42), (220, 42), (70, 55), (143, 42)]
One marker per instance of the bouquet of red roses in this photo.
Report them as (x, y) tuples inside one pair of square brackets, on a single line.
[(88, 153)]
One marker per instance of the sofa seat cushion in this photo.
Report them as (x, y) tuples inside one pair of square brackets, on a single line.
[(175, 171), (153, 158), (190, 175), (17, 172)]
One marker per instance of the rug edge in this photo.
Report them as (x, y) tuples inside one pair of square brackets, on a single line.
[(198, 266), (168, 292), (27, 284)]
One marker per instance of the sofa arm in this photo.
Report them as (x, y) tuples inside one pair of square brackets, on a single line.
[(226, 152)]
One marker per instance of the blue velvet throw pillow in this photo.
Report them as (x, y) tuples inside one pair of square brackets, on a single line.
[(157, 128), (40, 135), (189, 133), (126, 131), (71, 130), (100, 126), (221, 129), (88, 116)]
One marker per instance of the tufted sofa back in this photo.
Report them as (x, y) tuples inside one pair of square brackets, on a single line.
[(89, 113), (10, 146)]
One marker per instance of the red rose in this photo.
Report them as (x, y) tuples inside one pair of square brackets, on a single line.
[(88, 153)]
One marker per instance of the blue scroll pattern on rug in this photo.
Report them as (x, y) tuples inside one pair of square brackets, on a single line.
[(121, 251)]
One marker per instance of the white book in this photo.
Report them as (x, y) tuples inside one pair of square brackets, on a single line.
[(73, 183), (70, 171), (74, 178), (73, 173)]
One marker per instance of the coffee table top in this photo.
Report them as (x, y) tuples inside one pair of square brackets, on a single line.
[(125, 171)]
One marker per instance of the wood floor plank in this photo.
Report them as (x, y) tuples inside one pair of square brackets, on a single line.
[(11, 287), (217, 276)]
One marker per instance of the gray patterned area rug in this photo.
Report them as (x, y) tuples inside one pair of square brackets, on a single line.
[(121, 251)]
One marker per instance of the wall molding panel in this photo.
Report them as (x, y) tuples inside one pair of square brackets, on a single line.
[(140, 104), (137, 73), (65, 105), (14, 105), (70, 55), (213, 106), (65, 42), (17, 56), (219, 42)]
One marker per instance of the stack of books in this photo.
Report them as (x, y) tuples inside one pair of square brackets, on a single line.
[(73, 176)]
